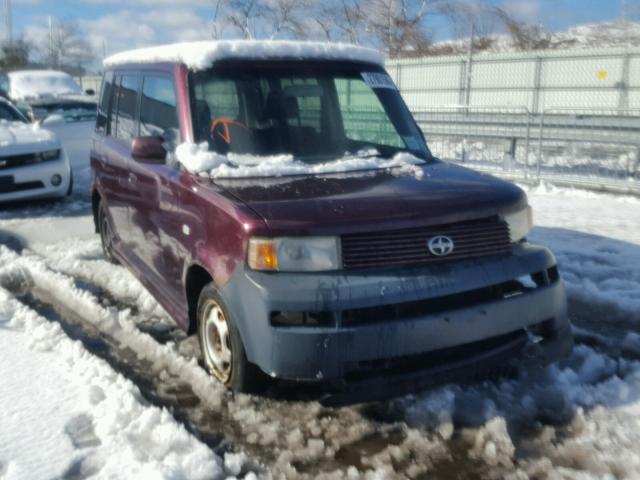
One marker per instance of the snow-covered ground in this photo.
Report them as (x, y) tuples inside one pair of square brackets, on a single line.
[(97, 382)]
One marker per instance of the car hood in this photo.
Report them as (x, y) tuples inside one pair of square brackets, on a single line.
[(17, 138), (374, 200)]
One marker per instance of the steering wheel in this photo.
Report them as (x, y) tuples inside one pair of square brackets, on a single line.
[(220, 127)]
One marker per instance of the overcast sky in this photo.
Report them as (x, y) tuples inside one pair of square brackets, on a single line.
[(121, 25)]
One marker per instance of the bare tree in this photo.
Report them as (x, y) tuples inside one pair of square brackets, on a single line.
[(216, 25), (524, 37), (324, 16), (464, 15), (16, 54), (243, 15), (398, 26), (351, 20), (286, 16), (67, 47)]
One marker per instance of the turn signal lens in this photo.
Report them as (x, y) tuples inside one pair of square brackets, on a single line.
[(294, 254), (262, 254)]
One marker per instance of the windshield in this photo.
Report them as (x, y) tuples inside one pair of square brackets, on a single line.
[(313, 111), (10, 114)]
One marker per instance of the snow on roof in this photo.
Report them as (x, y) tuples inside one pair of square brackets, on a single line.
[(34, 84), (202, 55)]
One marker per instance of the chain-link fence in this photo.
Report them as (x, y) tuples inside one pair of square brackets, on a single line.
[(539, 80)]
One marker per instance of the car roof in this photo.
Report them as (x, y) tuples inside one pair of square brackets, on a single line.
[(202, 55)]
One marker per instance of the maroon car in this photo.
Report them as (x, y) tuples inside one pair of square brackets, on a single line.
[(308, 233)]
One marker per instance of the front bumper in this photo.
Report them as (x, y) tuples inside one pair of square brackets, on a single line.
[(34, 181), (406, 345)]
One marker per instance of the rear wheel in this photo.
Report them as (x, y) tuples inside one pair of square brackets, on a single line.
[(223, 353), (106, 234)]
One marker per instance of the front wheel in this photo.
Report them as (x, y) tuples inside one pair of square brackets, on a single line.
[(70, 189), (222, 349)]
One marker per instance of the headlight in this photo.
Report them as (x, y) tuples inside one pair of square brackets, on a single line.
[(294, 254), (48, 155), (520, 223)]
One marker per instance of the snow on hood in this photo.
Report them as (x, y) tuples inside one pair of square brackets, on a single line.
[(17, 138), (202, 55), (197, 158), (35, 84)]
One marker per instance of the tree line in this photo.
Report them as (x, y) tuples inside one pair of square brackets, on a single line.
[(400, 28)]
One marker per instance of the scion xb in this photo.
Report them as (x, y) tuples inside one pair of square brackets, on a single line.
[(261, 192)]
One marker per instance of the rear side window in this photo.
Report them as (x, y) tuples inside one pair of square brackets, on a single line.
[(106, 94), (158, 114), (126, 126)]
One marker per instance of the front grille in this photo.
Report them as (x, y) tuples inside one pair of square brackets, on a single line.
[(12, 161), (11, 187), (17, 161), (513, 341), (489, 236)]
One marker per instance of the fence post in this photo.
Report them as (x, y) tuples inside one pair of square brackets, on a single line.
[(623, 84), (526, 144), (537, 78), (540, 139), (467, 99), (461, 80)]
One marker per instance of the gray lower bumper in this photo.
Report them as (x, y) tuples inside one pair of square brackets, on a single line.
[(329, 353)]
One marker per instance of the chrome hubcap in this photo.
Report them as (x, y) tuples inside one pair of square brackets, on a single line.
[(217, 343)]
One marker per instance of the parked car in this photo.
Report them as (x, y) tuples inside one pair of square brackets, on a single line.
[(39, 93), (376, 279), (33, 163)]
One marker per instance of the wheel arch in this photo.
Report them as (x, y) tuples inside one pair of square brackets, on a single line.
[(195, 280), (95, 205)]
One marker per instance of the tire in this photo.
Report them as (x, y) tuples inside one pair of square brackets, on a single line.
[(106, 234), (222, 349), (70, 189)]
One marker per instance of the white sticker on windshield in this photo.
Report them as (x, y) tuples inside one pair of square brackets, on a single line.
[(378, 80)]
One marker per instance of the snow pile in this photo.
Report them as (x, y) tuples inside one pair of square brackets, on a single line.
[(614, 34), (35, 84), (95, 420), (197, 158), (596, 240), (202, 55)]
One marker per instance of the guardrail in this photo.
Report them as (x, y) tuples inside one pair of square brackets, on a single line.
[(598, 148)]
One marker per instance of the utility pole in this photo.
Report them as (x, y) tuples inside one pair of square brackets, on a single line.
[(51, 52), (8, 23)]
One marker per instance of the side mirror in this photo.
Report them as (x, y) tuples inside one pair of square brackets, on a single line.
[(90, 91), (148, 150)]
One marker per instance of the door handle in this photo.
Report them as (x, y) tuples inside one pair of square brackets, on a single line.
[(133, 178)]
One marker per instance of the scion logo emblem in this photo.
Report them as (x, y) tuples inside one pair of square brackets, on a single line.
[(440, 246)]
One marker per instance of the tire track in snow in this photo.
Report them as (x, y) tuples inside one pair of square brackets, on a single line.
[(398, 439)]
